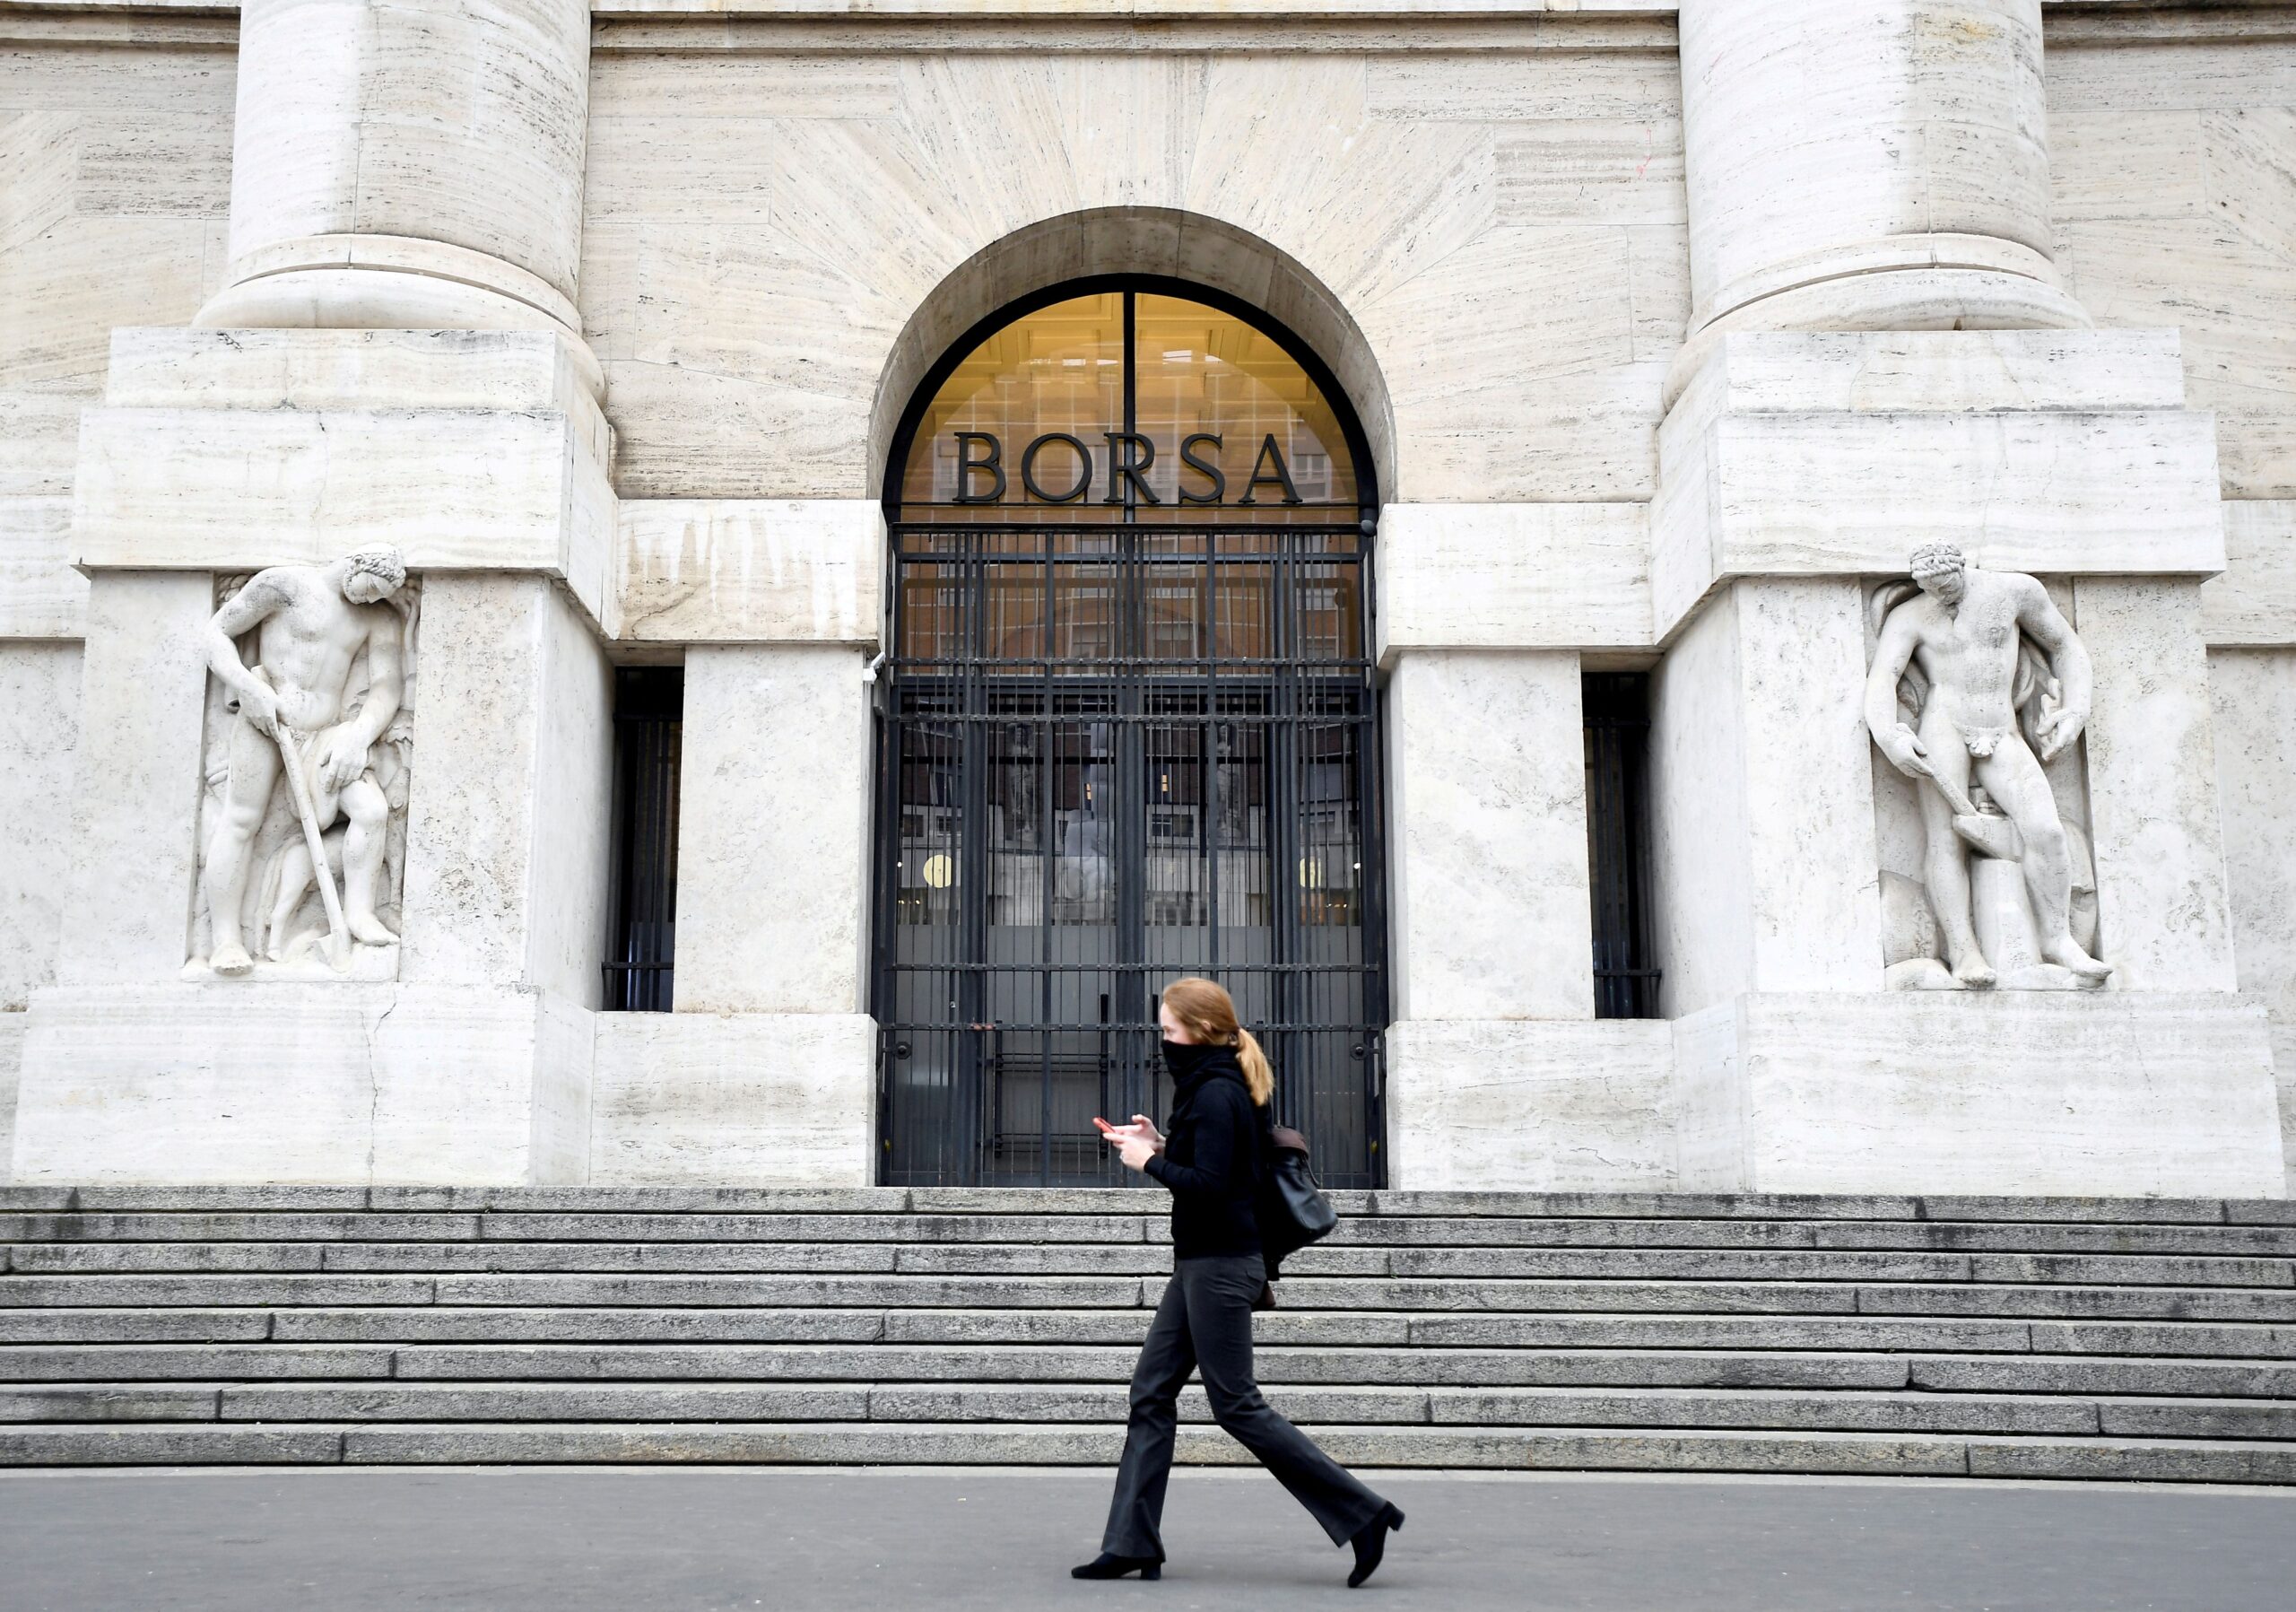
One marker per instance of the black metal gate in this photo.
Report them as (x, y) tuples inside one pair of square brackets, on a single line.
[(1109, 756)]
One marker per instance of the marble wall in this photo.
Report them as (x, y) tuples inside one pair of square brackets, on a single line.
[(2254, 700), (2173, 161), (1505, 224), (39, 735)]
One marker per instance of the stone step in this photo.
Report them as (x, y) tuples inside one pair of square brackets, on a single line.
[(1133, 1258), (1369, 1447), (1764, 1408), (1112, 1363), (1459, 1294), (227, 1226)]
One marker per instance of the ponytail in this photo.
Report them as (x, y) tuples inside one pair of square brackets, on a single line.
[(1258, 1078), (1210, 1014)]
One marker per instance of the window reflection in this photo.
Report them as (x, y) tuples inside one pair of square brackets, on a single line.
[(1230, 425)]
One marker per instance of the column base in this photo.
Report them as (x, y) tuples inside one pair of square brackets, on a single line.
[(240, 1082), (2121, 1094)]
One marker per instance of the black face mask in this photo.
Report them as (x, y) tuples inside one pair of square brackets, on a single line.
[(1185, 1058)]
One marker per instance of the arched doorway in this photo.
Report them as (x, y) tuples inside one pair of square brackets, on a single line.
[(1126, 730)]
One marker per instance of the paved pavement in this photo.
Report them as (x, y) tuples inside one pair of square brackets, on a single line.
[(506, 1539)]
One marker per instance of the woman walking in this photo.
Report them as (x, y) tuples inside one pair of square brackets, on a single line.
[(1211, 1162)]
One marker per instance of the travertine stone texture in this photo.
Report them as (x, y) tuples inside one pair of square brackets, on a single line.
[(749, 1099), (115, 186), (233, 450), (2162, 913), (1504, 226), (40, 594), (114, 180), (1761, 799), (137, 782), (40, 735), (1550, 1106), (505, 868), (238, 1082), (750, 570), (407, 164), (1487, 826), (773, 826), (2173, 161), (2048, 451), (2019, 1091), (2253, 604), (1513, 576), (2254, 699), (1876, 166), (12, 1060)]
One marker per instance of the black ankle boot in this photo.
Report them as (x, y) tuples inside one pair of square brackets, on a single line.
[(1107, 1565), (1370, 1542)]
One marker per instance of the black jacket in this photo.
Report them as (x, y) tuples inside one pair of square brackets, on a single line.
[(1212, 1159)]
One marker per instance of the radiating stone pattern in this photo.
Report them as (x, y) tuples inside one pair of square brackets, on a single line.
[(1506, 228)]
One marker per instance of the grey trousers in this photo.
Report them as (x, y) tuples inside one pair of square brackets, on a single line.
[(1206, 1319)]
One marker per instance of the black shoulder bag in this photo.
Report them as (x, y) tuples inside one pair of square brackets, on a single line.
[(1292, 1208)]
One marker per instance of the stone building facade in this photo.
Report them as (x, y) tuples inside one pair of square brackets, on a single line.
[(433, 370)]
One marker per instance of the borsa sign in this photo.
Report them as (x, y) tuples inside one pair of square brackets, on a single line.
[(1066, 464)]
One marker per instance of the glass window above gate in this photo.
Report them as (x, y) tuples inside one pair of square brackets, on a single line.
[(1129, 405)]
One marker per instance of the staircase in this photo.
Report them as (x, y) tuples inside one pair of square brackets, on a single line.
[(2076, 1338)]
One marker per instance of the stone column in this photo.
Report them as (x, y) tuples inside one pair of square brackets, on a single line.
[(407, 164), (395, 361), (1867, 165), (1881, 356)]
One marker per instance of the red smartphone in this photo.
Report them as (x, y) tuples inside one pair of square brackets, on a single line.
[(1103, 1124)]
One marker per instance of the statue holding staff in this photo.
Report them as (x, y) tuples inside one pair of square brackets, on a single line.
[(313, 625)]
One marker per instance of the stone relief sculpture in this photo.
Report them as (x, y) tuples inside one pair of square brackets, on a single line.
[(309, 735), (1995, 686)]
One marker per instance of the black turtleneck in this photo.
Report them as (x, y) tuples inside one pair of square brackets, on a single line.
[(1211, 1156)]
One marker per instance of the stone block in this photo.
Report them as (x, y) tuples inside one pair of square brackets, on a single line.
[(232, 451), (2164, 919), (232, 1081), (1760, 788), (767, 1099), (107, 1403), (506, 854), (2253, 696), (1488, 810), (2253, 604), (61, 1325), (774, 803), (749, 571), (41, 596), (1532, 1104), (136, 779), (2117, 1093), (2057, 452), (168, 1446), (2134, 1460), (1571, 576), (12, 1064), (193, 1363)]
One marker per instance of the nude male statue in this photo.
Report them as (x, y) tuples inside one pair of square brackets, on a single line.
[(313, 623), (1962, 633)]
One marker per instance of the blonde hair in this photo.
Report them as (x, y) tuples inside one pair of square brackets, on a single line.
[(1209, 1013)]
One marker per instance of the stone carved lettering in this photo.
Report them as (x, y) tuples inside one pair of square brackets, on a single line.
[(300, 870), (1977, 685)]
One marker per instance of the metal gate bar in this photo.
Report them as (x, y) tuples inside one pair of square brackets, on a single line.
[(1111, 755)]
